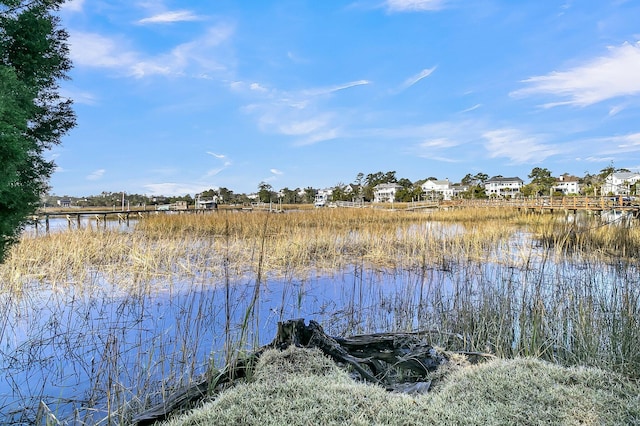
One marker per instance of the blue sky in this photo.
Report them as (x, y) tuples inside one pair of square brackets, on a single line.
[(176, 97)]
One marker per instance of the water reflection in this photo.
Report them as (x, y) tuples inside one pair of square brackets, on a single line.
[(62, 224)]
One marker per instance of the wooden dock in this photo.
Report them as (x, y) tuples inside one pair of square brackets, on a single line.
[(101, 216), (551, 204)]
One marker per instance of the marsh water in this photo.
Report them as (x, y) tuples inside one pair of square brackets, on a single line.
[(81, 353)]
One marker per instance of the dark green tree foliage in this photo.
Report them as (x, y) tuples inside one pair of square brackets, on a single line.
[(541, 181), (33, 116), (265, 192)]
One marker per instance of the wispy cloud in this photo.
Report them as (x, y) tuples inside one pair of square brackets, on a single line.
[(225, 165), (518, 147), (170, 17), (97, 174), (415, 5), (219, 156), (416, 78), (215, 172), (195, 58), (300, 114), (438, 143), (276, 172), (332, 89), (617, 144), (94, 50), (476, 106), (606, 77)]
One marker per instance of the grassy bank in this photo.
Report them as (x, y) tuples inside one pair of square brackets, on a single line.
[(301, 387)]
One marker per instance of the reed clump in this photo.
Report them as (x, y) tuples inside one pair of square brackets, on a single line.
[(611, 240)]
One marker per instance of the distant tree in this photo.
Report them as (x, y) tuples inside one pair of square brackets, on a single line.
[(339, 193), (468, 179), (33, 116), (606, 172), (374, 179), (589, 184), (481, 177), (289, 196), (405, 183), (265, 192), (209, 193), (541, 181), (359, 179), (390, 177), (410, 193), (530, 190), (226, 195), (309, 195)]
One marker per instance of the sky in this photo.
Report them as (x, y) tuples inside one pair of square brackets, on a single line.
[(177, 97)]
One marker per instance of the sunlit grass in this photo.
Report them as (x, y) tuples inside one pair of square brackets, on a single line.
[(301, 387)]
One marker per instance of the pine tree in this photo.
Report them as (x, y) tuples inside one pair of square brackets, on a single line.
[(33, 115)]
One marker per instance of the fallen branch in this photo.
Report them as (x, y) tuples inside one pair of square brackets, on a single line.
[(400, 362)]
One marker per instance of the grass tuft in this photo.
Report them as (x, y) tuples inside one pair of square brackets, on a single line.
[(302, 387)]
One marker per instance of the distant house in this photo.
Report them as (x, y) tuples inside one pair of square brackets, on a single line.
[(64, 202), (567, 184), (178, 205), (620, 183), (499, 186), (385, 192), (459, 188), (202, 204), (441, 189), (323, 196)]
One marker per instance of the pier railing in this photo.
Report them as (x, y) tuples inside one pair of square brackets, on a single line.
[(552, 203)]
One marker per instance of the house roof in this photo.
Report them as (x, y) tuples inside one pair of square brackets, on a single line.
[(504, 179), (387, 186), (625, 175)]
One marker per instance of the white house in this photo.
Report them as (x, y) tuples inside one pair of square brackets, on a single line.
[(503, 187), (385, 192), (619, 183), (567, 184), (459, 188), (438, 189), (323, 196)]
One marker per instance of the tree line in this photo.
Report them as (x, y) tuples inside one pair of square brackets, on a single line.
[(362, 188)]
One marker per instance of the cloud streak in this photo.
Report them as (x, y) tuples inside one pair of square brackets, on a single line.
[(519, 148), (96, 175), (416, 78), (415, 5), (170, 17), (611, 76), (195, 58)]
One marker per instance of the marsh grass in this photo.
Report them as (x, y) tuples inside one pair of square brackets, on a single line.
[(302, 387), (137, 313)]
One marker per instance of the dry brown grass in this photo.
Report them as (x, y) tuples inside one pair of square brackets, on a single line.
[(321, 240)]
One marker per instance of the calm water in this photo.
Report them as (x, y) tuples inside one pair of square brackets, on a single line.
[(64, 347)]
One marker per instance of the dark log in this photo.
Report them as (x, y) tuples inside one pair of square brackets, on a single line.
[(400, 362)]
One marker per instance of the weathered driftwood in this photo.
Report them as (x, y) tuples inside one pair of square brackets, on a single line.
[(398, 361)]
